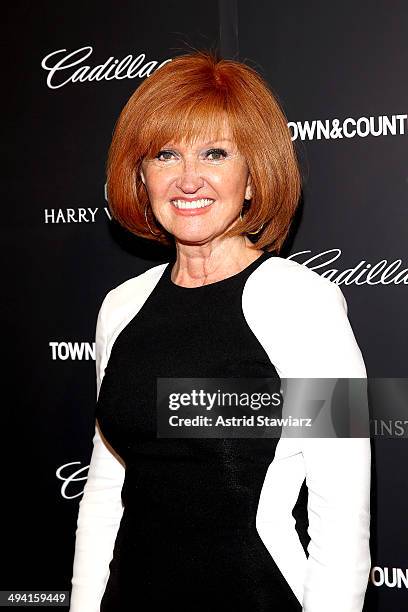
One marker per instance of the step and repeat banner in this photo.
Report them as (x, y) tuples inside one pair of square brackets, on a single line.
[(340, 72)]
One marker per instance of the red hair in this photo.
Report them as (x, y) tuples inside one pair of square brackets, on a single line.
[(188, 98)]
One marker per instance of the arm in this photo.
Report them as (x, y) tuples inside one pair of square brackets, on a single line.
[(100, 509), (338, 479), (274, 521), (312, 338)]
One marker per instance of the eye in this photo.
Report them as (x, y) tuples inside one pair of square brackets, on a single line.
[(162, 155), (218, 153)]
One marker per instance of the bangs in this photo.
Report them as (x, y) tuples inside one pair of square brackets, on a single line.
[(205, 120)]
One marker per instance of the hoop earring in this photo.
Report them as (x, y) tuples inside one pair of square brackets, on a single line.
[(148, 224), (256, 231)]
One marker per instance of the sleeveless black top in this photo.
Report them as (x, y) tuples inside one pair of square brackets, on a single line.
[(187, 539)]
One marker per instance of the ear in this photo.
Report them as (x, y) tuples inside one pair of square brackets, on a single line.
[(248, 189)]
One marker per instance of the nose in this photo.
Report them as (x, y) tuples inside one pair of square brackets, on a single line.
[(189, 180)]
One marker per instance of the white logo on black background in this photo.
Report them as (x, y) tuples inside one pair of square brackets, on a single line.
[(73, 215), (75, 476), (63, 67), (390, 577), (70, 215), (77, 351), (333, 129), (363, 273)]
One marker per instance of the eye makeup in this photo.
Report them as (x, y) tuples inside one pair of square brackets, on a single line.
[(216, 151)]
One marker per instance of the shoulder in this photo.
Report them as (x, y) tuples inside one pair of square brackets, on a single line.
[(289, 282), (129, 288), (301, 319), (132, 292)]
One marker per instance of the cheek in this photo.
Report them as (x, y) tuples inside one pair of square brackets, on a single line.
[(157, 184), (231, 184), (222, 179)]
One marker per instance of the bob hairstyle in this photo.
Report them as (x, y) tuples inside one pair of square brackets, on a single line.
[(190, 97)]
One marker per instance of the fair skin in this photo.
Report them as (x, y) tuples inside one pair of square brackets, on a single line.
[(213, 173)]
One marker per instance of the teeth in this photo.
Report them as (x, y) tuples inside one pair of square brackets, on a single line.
[(195, 204)]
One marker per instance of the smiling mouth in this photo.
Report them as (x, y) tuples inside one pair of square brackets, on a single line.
[(183, 204)]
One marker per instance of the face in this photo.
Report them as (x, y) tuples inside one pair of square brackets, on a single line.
[(197, 190)]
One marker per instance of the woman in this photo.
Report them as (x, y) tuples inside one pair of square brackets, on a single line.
[(202, 160)]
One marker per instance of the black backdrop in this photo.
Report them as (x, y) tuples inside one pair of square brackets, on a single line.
[(339, 69)]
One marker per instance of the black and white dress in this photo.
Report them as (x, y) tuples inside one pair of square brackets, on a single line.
[(192, 533)]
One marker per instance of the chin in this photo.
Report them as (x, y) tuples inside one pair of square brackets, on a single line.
[(191, 238)]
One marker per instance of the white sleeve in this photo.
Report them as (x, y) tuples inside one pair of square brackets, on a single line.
[(338, 472), (275, 522), (338, 480), (100, 509), (318, 342)]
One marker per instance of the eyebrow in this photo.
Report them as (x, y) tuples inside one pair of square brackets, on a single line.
[(205, 144)]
